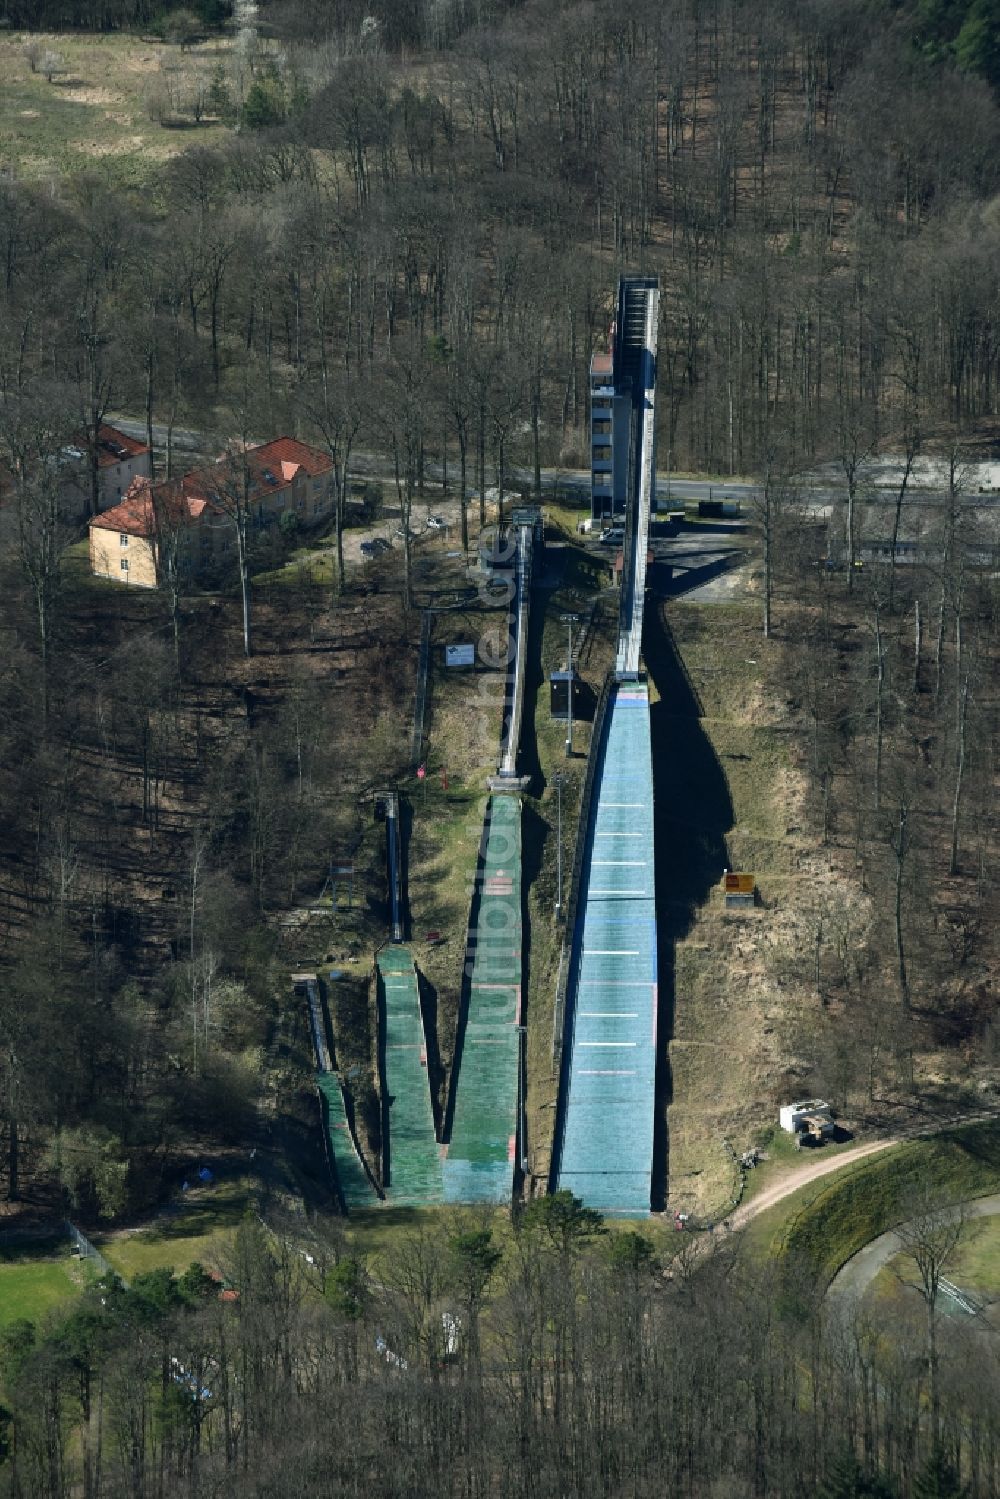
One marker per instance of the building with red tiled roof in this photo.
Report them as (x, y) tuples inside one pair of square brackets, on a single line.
[(120, 459), (281, 475), (128, 541)]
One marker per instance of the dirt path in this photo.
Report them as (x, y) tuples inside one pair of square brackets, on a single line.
[(811, 1170), (804, 1174)]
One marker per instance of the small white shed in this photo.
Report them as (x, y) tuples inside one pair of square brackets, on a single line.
[(793, 1116)]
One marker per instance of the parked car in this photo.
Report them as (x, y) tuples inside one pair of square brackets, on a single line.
[(613, 536), (375, 547), (436, 523)]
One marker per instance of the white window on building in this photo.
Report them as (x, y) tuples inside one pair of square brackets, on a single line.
[(124, 564), (123, 539)]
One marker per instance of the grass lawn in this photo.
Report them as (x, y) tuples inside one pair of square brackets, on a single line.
[(93, 116), (826, 1222), (977, 1260), (201, 1228), (134, 1254), (30, 1287)]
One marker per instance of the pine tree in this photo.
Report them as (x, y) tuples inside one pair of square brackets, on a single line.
[(938, 1479), (846, 1478)]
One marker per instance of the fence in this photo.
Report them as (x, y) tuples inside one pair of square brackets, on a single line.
[(86, 1251)]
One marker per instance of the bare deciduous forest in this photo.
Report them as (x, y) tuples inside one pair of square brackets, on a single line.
[(404, 243)]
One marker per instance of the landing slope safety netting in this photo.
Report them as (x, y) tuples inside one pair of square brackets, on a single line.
[(413, 1156), (606, 1153), (479, 1165)]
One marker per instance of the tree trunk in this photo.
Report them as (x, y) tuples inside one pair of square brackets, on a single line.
[(407, 574), (482, 463), (149, 408), (900, 849), (939, 646), (933, 1389), (911, 453), (214, 312), (175, 624), (43, 648), (340, 506), (959, 776), (13, 1172), (500, 477), (463, 514), (879, 700), (241, 544), (536, 401)]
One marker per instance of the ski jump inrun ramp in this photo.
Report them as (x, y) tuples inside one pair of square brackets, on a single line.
[(603, 1150)]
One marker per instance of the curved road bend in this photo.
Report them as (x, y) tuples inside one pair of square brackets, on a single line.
[(853, 1279)]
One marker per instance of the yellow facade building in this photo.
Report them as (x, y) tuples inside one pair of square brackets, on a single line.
[(191, 518)]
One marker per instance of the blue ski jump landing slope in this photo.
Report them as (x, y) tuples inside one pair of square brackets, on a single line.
[(606, 1154)]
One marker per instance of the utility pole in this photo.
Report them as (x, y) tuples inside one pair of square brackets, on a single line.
[(569, 620), (557, 780)]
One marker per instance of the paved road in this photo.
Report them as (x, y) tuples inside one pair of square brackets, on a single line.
[(853, 1279), (819, 493), (187, 440)]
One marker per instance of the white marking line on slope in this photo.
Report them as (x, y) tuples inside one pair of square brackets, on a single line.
[(601, 804), (607, 1045), (619, 835), (621, 863), (611, 952), (618, 892), (609, 1014), (607, 1071)]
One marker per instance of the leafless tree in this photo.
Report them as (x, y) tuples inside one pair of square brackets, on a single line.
[(930, 1238)]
